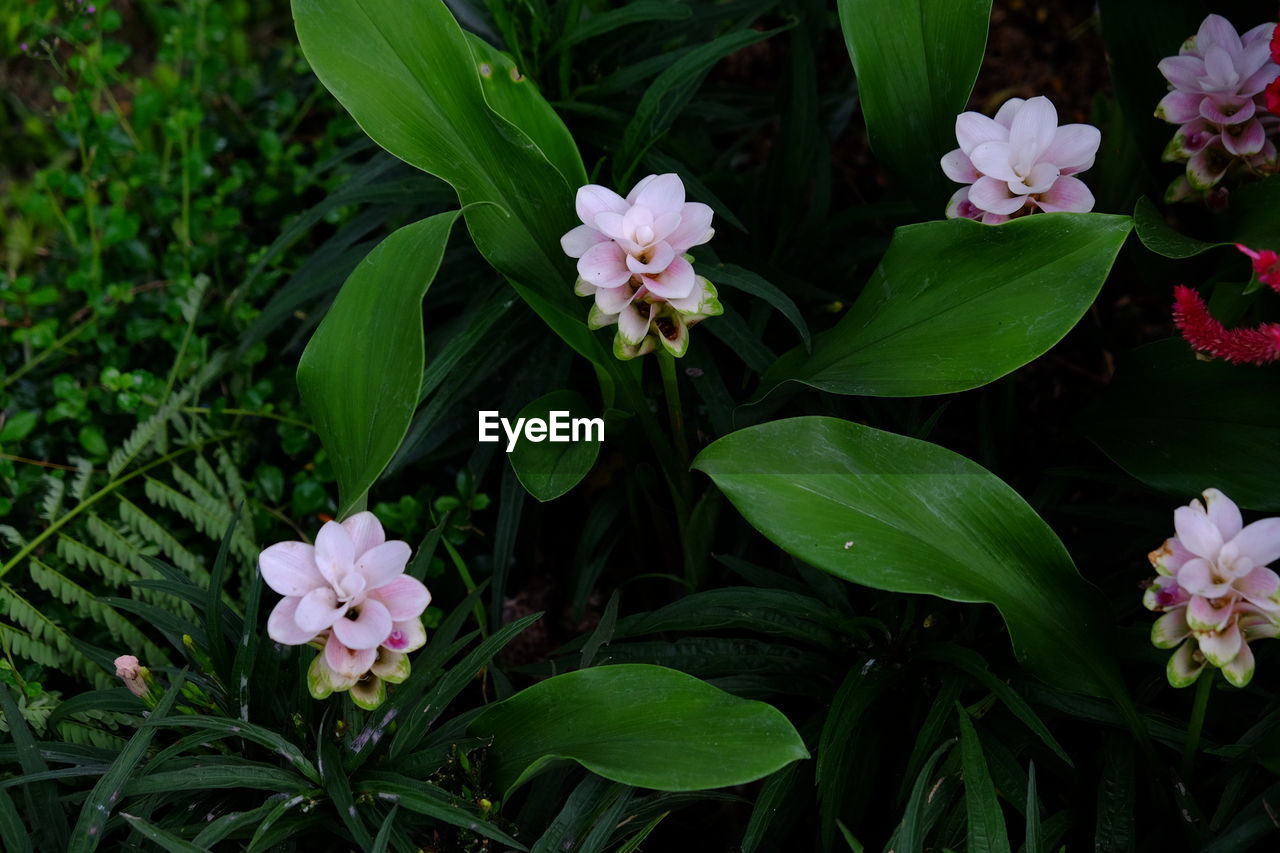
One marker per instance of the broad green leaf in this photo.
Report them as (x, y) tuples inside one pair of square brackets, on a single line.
[(1158, 236), (904, 515), (547, 469), (915, 62), (987, 832), (912, 830), (957, 304), (416, 86), (169, 842), (641, 725), (1184, 425), (361, 372)]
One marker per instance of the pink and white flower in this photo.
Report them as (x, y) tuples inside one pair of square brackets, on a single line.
[(348, 592), (1217, 97), (1214, 589), (632, 259), (1019, 162)]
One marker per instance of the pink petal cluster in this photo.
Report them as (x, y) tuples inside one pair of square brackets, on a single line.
[(1218, 82), (631, 259), (1214, 589), (1019, 162), (1266, 265), (348, 593)]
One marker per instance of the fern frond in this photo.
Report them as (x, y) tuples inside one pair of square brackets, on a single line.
[(51, 503), (210, 515), (12, 536), (209, 479), (152, 530), (45, 630), (20, 644), (85, 734), (146, 433), (124, 549), (76, 553), (86, 603), (84, 474), (189, 302)]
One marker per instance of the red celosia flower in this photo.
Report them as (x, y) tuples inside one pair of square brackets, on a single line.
[(1266, 266), (1273, 96), (1207, 335), (1275, 45)]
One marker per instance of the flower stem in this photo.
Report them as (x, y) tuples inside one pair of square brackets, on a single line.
[(1203, 688), (667, 362)]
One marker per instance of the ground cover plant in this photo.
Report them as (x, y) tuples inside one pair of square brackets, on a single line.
[(761, 425)]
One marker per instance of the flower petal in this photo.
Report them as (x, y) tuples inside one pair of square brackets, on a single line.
[(1169, 557), (1221, 647), (1184, 665), (1170, 629), (383, 564), (1196, 532), (973, 129), (1009, 109), (957, 166), (639, 188), (405, 597), (406, 636), (282, 625), (345, 661), (1223, 109), (1245, 140), (1178, 107), (366, 531), (1240, 670), (1031, 133), (592, 200), (611, 300), (1260, 541), (289, 568), (694, 228), (633, 322), (1259, 586), (576, 242), (664, 194), (1203, 616), (1223, 512), (993, 196), (1184, 72), (335, 551), (318, 610), (660, 256), (604, 265), (367, 631), (1216, 31), (1067, 195), (992, 158), (1073, 148), (391, 667), (674, 282)]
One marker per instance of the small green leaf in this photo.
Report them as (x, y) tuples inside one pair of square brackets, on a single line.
[(987, 832), (957, 304), (361, 372), (18, 426), (641, 725), (1158, 236), (547, 468)]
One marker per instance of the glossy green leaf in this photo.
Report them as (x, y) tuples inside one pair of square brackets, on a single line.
[(915, 62), (1183, 425), (361, 372), (419, 90), (1158, 236), (904, 515), (641, 725), (547, 469), (956, 304)]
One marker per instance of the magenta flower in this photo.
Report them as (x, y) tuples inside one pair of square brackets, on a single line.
[(1218, 82), (348, 592), (631, 258), (1019, 162), (1214, 589)]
